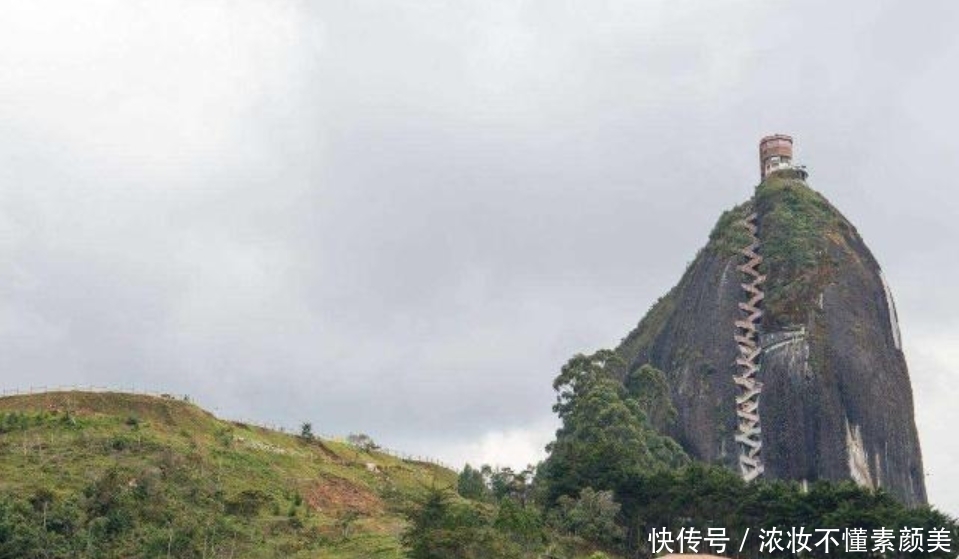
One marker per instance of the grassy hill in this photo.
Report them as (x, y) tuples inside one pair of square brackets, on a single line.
[(121, 475)]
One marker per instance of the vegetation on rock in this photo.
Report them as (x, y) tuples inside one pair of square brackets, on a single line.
[(798, 225), (650, 327), (728, 235)]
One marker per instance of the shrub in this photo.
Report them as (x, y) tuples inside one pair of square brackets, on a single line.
[(248, 503)]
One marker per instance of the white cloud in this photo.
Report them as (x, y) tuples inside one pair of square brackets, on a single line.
[(514, 447)]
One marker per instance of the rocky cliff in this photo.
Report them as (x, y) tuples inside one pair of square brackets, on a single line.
[(836, 400)]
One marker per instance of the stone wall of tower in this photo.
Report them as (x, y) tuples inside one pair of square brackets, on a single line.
[(774, 152)]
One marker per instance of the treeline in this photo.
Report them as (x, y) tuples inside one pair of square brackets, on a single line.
[(611, 477)]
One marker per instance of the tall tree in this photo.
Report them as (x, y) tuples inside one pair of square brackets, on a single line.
[(605, 438), (470, 484), (648, 387)]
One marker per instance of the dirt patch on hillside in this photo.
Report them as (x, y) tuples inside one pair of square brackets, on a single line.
[(334, 494)]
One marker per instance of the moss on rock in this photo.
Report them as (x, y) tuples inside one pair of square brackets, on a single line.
[(796, 226)]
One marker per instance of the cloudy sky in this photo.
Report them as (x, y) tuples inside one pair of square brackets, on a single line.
[(402, 217)]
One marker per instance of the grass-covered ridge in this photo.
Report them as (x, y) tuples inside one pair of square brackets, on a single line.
[(120, 475), (728, 235)]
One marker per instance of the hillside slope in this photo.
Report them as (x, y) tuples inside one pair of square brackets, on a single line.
[(120, 475), (837, 401)]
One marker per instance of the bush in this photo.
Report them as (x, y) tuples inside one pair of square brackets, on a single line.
[(248, 503), (306, 431)]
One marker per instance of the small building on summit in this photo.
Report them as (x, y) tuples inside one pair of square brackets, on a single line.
[(776, 153)]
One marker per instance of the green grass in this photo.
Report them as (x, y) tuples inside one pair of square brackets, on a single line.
[(181, 475), (728, 235)]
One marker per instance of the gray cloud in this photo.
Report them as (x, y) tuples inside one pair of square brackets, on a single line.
[(402, 218)]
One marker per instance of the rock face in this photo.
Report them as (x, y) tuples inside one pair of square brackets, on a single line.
[(836, 401)]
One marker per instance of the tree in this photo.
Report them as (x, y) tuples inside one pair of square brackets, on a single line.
[(648, 387), (591, 516), (501, 482), (306, 431), (522, 524), (362, 441), (441, 528), (471, 485), (605, 438), (507, 483)]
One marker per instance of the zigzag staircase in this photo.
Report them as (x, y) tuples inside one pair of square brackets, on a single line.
[(748, 434)]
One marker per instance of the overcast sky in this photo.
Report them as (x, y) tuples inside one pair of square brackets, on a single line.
[(402, 218)]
